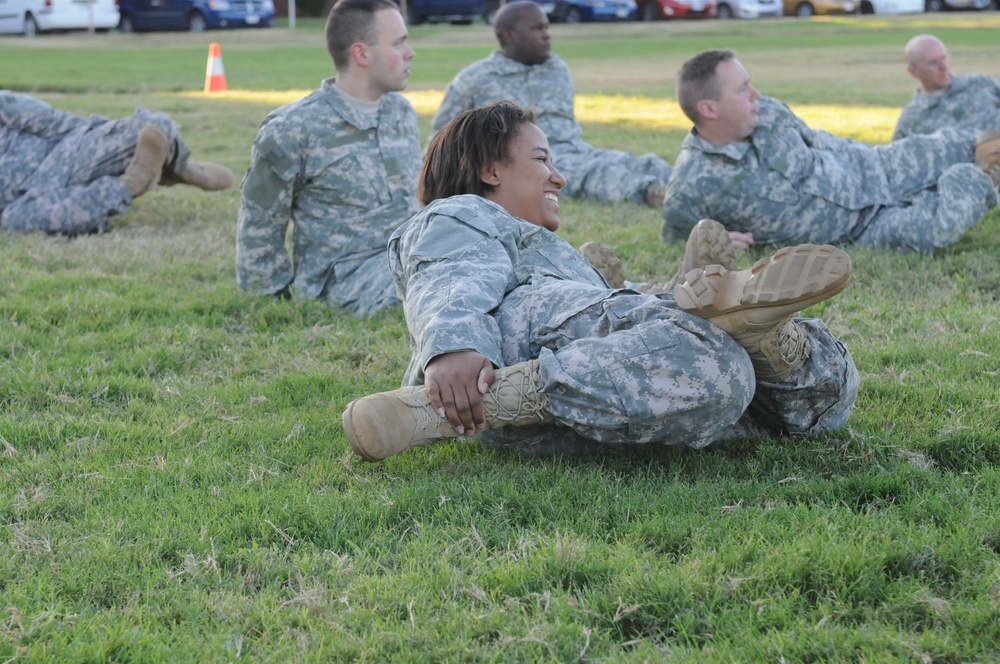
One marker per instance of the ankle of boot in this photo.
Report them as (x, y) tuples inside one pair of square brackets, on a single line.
[(781, 353), (515, 398)]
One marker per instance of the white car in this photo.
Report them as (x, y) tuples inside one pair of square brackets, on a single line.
[(748, 8), (30, 17), (891, 6)]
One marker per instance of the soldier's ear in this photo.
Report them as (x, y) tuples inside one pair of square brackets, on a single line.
[(490, 175), (706, 109), (359, 53)]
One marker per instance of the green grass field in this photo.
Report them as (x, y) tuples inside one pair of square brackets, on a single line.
[(175, 484)]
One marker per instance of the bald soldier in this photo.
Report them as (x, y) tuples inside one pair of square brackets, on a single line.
[(525, 71), (340, 166), (970, 101)]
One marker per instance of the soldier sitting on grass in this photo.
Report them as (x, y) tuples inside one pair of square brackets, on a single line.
[(525, 71), (339, 165), (518, 340), (62, 173), (754, 166), (969, 101)]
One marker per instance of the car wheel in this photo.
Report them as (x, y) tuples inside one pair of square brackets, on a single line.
[(196, 22), (126, 24), (805, 9), (867, 8), (650, 11), (725, 11), (573, 15), (30, 26)]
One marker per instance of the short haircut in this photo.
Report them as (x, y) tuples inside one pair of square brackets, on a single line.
[(352, 21), (471, 142), (697, 81), (507, 17)]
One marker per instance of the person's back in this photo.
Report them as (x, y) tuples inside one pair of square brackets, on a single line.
[(339, 165)]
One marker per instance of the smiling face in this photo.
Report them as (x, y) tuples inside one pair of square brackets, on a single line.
[(734, 113), (391, 53), (528, 184)]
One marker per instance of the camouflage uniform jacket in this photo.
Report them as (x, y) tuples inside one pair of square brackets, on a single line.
[(605, 176), (786, 183), (345, 181), (971, 101), (616, 366), (456, 260)]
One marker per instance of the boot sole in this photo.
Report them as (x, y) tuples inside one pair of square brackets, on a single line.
[(793, 278), (352, 436), (712, 245)]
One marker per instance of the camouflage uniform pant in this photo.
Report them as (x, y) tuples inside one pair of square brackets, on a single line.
[(955, 195), (608, 176), (635, 369), (77, 186)]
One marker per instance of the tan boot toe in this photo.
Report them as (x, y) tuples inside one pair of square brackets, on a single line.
[(143, 171)]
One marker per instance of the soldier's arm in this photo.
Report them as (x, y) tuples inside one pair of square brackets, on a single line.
[(262, 262), (680, 212)]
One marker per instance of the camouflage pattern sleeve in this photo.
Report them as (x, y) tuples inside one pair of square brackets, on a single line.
[(454, 270), (15, 103), (682, 206), (262, 263)]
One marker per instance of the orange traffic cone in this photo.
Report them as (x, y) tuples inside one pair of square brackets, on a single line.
[(215, 77)]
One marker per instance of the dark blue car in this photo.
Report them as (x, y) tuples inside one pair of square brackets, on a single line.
[(194, 15)]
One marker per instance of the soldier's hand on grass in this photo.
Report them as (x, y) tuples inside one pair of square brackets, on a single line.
[(741, 240), (456, 383)]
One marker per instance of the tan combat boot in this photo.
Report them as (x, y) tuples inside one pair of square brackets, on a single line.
[(988, 155), (606, 261), (655, 194), (202, 174), (381, 425), (755, 306), (143, 171), (708, 243), (988, 150)]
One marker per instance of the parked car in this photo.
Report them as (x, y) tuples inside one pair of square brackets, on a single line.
[(814, 7), (579, 11), (445, 11), (30, 17), (194, 15), (891, 6), (748, 8), (943, 5), (656, 10), (493, 5)]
